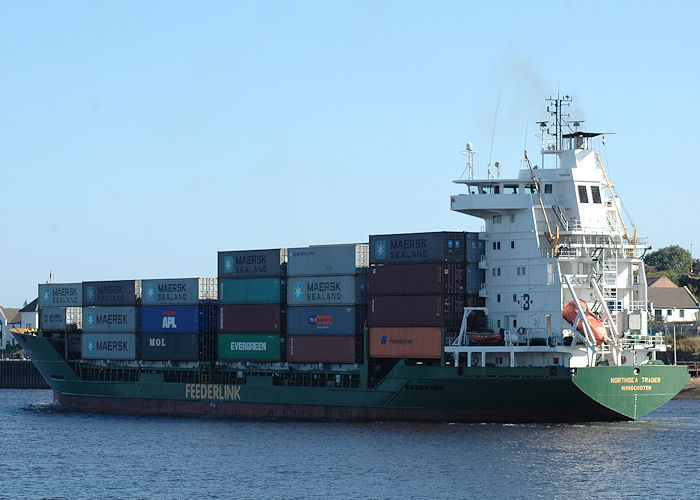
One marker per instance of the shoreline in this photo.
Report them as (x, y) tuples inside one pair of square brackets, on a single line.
[(691, 389)]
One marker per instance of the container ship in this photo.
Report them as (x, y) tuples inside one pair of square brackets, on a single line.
[(539, 317)]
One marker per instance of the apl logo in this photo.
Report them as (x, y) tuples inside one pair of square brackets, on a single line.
[(298, 291), (228, 264), (169, 320), (150, 292), (384, 339), (380, 249), (90, 319), (91, 294)]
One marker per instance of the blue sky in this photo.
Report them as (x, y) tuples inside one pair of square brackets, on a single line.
[(140, 138)]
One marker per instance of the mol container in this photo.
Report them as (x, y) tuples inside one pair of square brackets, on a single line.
[(326, 320), (325, 290), (328, 260), (323, 349), (169, 346), (183, 291), (249, 347), (418, 279), (417, 248), (252, 263), (178, 319), (60, 295), (251, 291), (405, 342), (111, 319), (250, 318), (109, 346), (60, 318), (416, 310), (111, 293)]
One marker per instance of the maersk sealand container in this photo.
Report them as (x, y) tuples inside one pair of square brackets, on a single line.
[(324, 260), (252, 263), (111, 319), (60, 295), (418, 248), (184, 291), (111, 293), (322, 290), (109, 346)]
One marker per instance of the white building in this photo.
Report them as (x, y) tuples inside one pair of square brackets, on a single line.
[(671, 303), (30, 314), (10, 318)]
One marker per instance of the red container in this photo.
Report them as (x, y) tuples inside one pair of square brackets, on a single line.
[(321, 349), (417, 279), (416, 310), (405, 342), (250, 318)]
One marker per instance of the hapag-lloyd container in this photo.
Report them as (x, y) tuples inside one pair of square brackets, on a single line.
[(60, 295), (111, 293), (417, 248), (405, 342), (417, 279), (184, 291), (52, 318), (325, 320), (249, 347), (416, 310), (169, 346), (252, 263), (111, 319), (327, 260), (323, 349), (250, 318), (178, 319), (251, 291), (324, 290), (109, 346)]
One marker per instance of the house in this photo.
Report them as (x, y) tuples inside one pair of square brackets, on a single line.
[(30, 314), (10, 318), (671, 303)]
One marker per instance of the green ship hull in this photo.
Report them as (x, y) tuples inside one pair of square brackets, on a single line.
[(406, 393)]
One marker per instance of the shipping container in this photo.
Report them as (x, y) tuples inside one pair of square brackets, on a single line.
[(250, 318), (417, 279), (60, 295), (249, 347), (325, 290), (178, 318), (169, 346), (321, 260), (326, 320), (475, 248), (417, 248), (74, 346), (416, 310), (405, 342), (185, 291), (475, 277), (323, 349), (111, 293), (252, 263), (52, 318), (111, 319), (251, 291), (109, 346)]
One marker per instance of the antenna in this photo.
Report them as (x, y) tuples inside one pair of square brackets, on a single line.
[(470, 159), (493, 133)]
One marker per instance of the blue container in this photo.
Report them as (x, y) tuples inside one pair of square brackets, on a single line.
[(325, 320), (171, 319)]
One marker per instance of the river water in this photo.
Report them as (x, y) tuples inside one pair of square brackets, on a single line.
[(46, 452)]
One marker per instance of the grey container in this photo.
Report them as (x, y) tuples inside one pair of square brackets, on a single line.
[(60, 295), (109, 346), (328, 260), (111, 319), (321, 290), (325, 320), (417, 248), (52, 318), (252, 263), (111, 293), (182, 291)]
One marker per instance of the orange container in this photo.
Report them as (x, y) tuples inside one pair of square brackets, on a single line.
[(405, 342)]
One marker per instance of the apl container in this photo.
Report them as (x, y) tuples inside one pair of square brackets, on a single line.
[(251, 291), (111, 293), (109, 346), (323, 349), (110, 319), (184, 291), (405, 342), (327, 260), (176, 318), (60, 295), (417, 248), (322, 290), (325, 320), (169, 346), (252, 263), (250, 318), (249, 347), (417, 279)]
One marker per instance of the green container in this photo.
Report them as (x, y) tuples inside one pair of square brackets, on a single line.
[(251, 291), (249, 346)]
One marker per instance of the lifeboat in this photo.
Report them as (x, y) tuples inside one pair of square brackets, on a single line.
[(569, 312), (485, 338)]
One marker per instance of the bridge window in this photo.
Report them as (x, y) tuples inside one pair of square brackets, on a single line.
[(512, 244), (595, 194), (498, 297), (496, 219), (548, 189), (582, 194)]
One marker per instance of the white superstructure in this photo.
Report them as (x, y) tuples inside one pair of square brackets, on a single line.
[(553, 234)]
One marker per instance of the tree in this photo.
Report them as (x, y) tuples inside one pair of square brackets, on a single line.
[(671, 258)]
